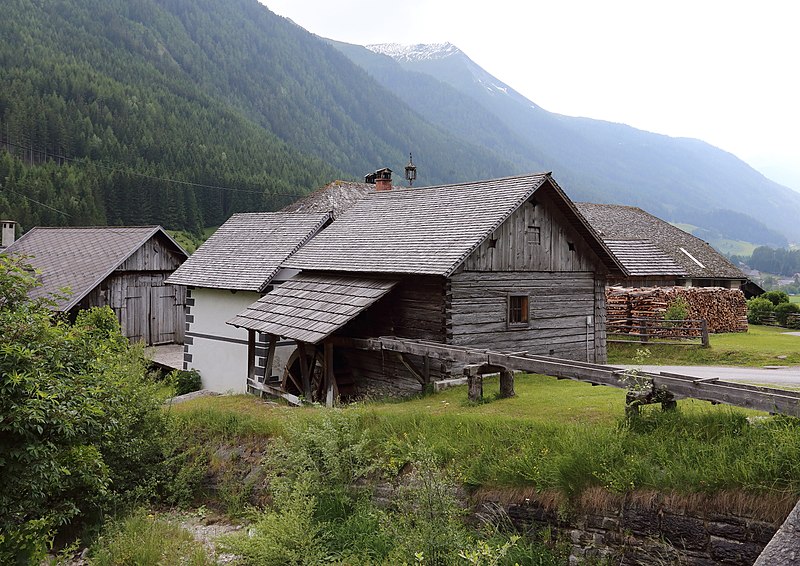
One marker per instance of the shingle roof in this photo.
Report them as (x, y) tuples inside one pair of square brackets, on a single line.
[(642, 258), (429, 230), (80, 258), (247, 251), (310, 307), (335, 197), (693, 255)]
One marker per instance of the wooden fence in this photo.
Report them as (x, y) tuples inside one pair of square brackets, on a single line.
[(658, 331)]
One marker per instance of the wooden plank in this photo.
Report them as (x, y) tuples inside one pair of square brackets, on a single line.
[(275, 392), (305, 371)]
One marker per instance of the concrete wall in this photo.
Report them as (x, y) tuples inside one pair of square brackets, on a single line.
[(218, 350)]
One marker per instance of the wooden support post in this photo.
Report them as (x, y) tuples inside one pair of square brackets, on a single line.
[(427, 386), (632, 404), (273, 341), (305, 371), (704, 333), (506, 383), (643, 332), (330, 378), (251, 355), (475, 384)]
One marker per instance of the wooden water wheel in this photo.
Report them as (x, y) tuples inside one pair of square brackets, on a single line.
[(293, 374), (344, 386)]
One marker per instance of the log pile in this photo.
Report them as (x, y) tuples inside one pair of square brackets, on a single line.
[(725, 310)]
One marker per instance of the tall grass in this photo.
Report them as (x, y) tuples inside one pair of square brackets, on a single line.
[(147, 540), (555, 435)]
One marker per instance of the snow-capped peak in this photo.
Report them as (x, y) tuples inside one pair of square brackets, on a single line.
[(418, 52)]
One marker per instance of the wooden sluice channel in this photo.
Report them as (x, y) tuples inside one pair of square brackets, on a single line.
[(660, 387)]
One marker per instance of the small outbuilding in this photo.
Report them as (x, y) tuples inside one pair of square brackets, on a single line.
[(123, 267), (239, 263), (657, 254)]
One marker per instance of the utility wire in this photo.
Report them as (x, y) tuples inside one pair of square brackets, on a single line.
[(26, 197)]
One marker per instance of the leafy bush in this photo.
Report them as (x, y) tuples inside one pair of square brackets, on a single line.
[(776, 297), (758, 309), (677, 309), (80, 429), (782, 310), (186, 381)]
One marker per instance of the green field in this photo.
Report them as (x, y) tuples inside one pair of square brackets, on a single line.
[(761, 345)]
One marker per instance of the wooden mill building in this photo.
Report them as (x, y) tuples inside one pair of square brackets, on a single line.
[(508, 264), (123, 267)]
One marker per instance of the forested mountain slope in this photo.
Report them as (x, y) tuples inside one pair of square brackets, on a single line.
[(221, 94)]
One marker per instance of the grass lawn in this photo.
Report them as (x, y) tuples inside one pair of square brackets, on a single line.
[(794, 298), (761, 345)]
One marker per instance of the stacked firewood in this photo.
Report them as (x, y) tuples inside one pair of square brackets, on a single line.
[(724, 310)]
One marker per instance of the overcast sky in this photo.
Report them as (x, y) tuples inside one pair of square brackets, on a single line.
[(726, 72)]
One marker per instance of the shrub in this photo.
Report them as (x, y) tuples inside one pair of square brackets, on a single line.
[(80, 427), (677, 309), (776, 297), (782, 310), (186, 381), (758, 309)]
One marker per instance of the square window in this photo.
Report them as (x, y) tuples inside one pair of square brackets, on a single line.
[(518, 310)]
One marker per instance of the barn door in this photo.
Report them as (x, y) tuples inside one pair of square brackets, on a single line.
[(162, 312), (137, 306)]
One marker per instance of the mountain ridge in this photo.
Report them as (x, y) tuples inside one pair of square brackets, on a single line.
[(605, 161)]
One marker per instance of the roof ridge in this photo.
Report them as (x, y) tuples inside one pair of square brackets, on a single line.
[(464, 183)]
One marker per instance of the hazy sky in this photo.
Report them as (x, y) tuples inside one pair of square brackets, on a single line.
[(726, 72)]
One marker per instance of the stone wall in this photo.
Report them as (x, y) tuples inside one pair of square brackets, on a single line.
[(650, 535)]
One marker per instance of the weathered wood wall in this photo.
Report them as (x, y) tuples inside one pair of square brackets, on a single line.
[(536, 237), (147, 308), (413, 309), (154, 255), (559, 304)]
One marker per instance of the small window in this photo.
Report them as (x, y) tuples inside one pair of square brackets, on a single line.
[(518, 310), (492, 243), (535, 234), (571, 246)]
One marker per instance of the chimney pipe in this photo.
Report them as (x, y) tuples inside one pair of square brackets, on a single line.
[(8, 232), (382, 179)]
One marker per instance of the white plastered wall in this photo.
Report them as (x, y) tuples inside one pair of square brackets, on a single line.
[(218, 350)]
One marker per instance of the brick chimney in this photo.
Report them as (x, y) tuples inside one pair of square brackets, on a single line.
[(382, 179), (8, 232)]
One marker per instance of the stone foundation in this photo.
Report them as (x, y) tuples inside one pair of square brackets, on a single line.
[(648, 535)]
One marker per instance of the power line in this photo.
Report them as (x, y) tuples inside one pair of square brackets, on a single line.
[(26, 197)]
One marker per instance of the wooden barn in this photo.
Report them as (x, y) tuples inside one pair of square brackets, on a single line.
[(121, 267), (233, 268), (657, 254), (508, 264)]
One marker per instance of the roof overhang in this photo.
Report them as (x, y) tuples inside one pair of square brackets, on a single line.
[(310, 307)]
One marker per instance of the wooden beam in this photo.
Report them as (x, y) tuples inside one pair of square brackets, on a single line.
[(410, 367), (330, 378), (273, 341), (251, 354), (275, 392), (305, 371)]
